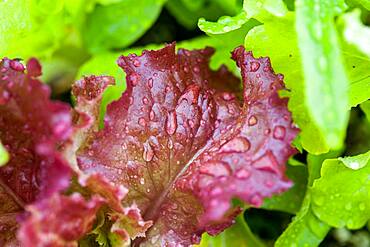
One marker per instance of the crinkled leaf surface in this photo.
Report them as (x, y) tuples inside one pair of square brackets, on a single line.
[(59, 221), (280, 32), (340, 196), (223, 25), (31, 126), (185, 141), (187, 12)]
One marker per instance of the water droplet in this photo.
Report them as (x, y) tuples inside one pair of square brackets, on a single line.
[(171, 123), (186, 69), (191, 123), (148, 152), (242, 173), (279, 132), (267, 162), (269, 183), (142, 181), (216, 168), (16, 65), (254, 66), (136, 63), (150, 82), (196, 69), (319, 200), (4, 97), (226, 29), (238, 145), (348, 206), (145, 101), (151, 115), (322, 64), (134, 79), (170, 144), (252, 120), (142, 122)]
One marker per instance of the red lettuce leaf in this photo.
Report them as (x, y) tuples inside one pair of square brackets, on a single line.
[(37, 133), (184, 140), (31, 127), (59, 221), (127, 222)]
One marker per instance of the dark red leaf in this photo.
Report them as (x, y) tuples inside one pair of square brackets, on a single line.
[(58, 221), (31, 127), (184, 147)]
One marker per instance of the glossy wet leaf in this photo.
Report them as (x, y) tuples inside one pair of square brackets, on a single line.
[(306, 229), (238, 234), (323, 70), (224, 24), (31, 126), (340, 196), (182, 140)]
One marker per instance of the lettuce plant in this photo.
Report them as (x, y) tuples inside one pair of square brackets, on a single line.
[(187, 143)]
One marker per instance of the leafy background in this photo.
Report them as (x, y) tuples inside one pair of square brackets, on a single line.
[(321, 47)]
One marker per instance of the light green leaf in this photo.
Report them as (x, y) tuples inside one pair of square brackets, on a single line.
[(357, 62), (324, 74), (356, 162), (23, 33), (264, 9), (237, 235), (120, 24), (291, 200), (306, 229), (357, 3), (4, 156), (224, 24), (208, 9), (277, 39), (355, 32), (341, 196)]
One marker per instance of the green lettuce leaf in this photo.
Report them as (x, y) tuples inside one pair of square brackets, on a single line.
[(224, 24), (341, 196), (306, 229), (238, 234), (119, 24), (323, 70), (187, 12)]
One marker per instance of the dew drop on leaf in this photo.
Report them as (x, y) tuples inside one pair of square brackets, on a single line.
[(171, 123)]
